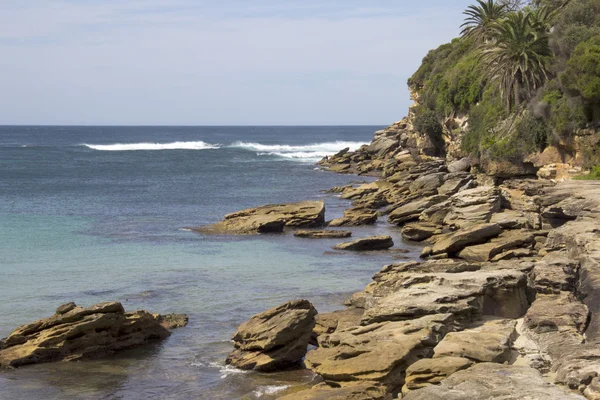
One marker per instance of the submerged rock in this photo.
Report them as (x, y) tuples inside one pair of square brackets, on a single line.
[(76, 333), (270, 219), (275, 338), (366, 244), (323, 234)]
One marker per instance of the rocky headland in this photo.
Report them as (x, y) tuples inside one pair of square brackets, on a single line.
[(504, 303)]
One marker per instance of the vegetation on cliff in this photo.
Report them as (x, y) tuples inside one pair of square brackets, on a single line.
[(527, 76)]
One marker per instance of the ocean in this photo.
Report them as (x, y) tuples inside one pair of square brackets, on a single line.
[(93, 214)]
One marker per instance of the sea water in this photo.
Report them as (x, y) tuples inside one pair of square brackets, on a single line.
[(93, 214)]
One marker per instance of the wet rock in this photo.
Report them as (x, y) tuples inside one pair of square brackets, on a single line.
[(494, 381), (270, 218), (353, 391), (275, 338), (431, 371), (76, 333), (323, 234), (172, 321), (358, 354), (466, 237), (489, 341), (367, 244)]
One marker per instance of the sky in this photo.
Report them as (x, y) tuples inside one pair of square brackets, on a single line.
[(215, 62)]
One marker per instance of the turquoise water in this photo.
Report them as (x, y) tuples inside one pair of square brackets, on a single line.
[(86, 223)]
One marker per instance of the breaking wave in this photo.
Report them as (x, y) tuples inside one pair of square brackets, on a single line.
[(199, 145), (313, 151)]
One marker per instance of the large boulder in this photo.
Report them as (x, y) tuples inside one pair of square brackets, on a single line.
[(487, 381), (270, 218), (367, 244), (76, 333), (466, 237), (412, 210), (275, 338), (473, 206), (379, 352)]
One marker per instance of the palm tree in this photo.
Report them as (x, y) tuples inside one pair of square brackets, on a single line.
[(517, 58), (480, 19)]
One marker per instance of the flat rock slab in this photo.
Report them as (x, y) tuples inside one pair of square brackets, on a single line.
[(355, 216), (323, 234), (275, 338), (489, 342), (378, 352), (462, 238), (76, 333), (431, 371), (354, 391), (506, 241), (487, 381), (367, 244), (270, 219), (417, 232)]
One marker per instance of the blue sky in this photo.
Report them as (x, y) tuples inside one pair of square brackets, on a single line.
[(227, 62)]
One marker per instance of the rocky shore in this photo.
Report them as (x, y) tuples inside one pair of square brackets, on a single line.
[(505, 302)]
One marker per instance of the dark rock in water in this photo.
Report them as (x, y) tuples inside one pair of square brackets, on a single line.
[(76, 333), (367, 244), (323, 234), (270, 219), (274, 339), (172, 321)]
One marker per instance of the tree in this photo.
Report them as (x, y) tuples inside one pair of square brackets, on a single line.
[(481, 19), (517, 58)]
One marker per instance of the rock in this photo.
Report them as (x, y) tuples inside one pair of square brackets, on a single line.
[(275, 338), (356, 193), (353, 391), (554, 273), (398, 296), (323, 234), (355, 216), (487, 381), (427, 184), (172, 321), (509, 219), (367, 244), (270, 218), (76, 333), (357, 354), (473, 206), (412, 210), (462, 165), (417, 232), (515, 253), (488, 342), (453, 183), (487, 251), (431, 371), (382, 146), (328, 323), (465, 237)]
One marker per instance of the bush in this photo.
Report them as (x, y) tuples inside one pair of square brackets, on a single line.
[(532, 133), (426, 122), (483, 118), (594, 175)]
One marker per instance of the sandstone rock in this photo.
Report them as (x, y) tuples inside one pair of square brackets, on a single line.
[(411, 211), (469, 236), (427, 184), (487, 381), (328, 323), (556, 272), (510, 219), (473, 206), (356, 193), (367, 244), (275, 338), (462, 165), (355, 217), (270, 218), (323, 234), (76, 333), (418, 232), (453, 183), (350, 391), (358, 354), (403, 295), (172, 321), (487, 251), (490, 341), (515, 253), (431, 371)]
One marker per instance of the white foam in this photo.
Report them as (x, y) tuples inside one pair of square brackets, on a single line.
[(269, 390), (308, 152), (199, 145), (225, 370)]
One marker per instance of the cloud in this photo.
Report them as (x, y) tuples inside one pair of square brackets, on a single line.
[(206, 62)]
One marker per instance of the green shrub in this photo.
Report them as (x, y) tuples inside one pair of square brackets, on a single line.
[(427, 122), (594, 175), (532, 133)]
